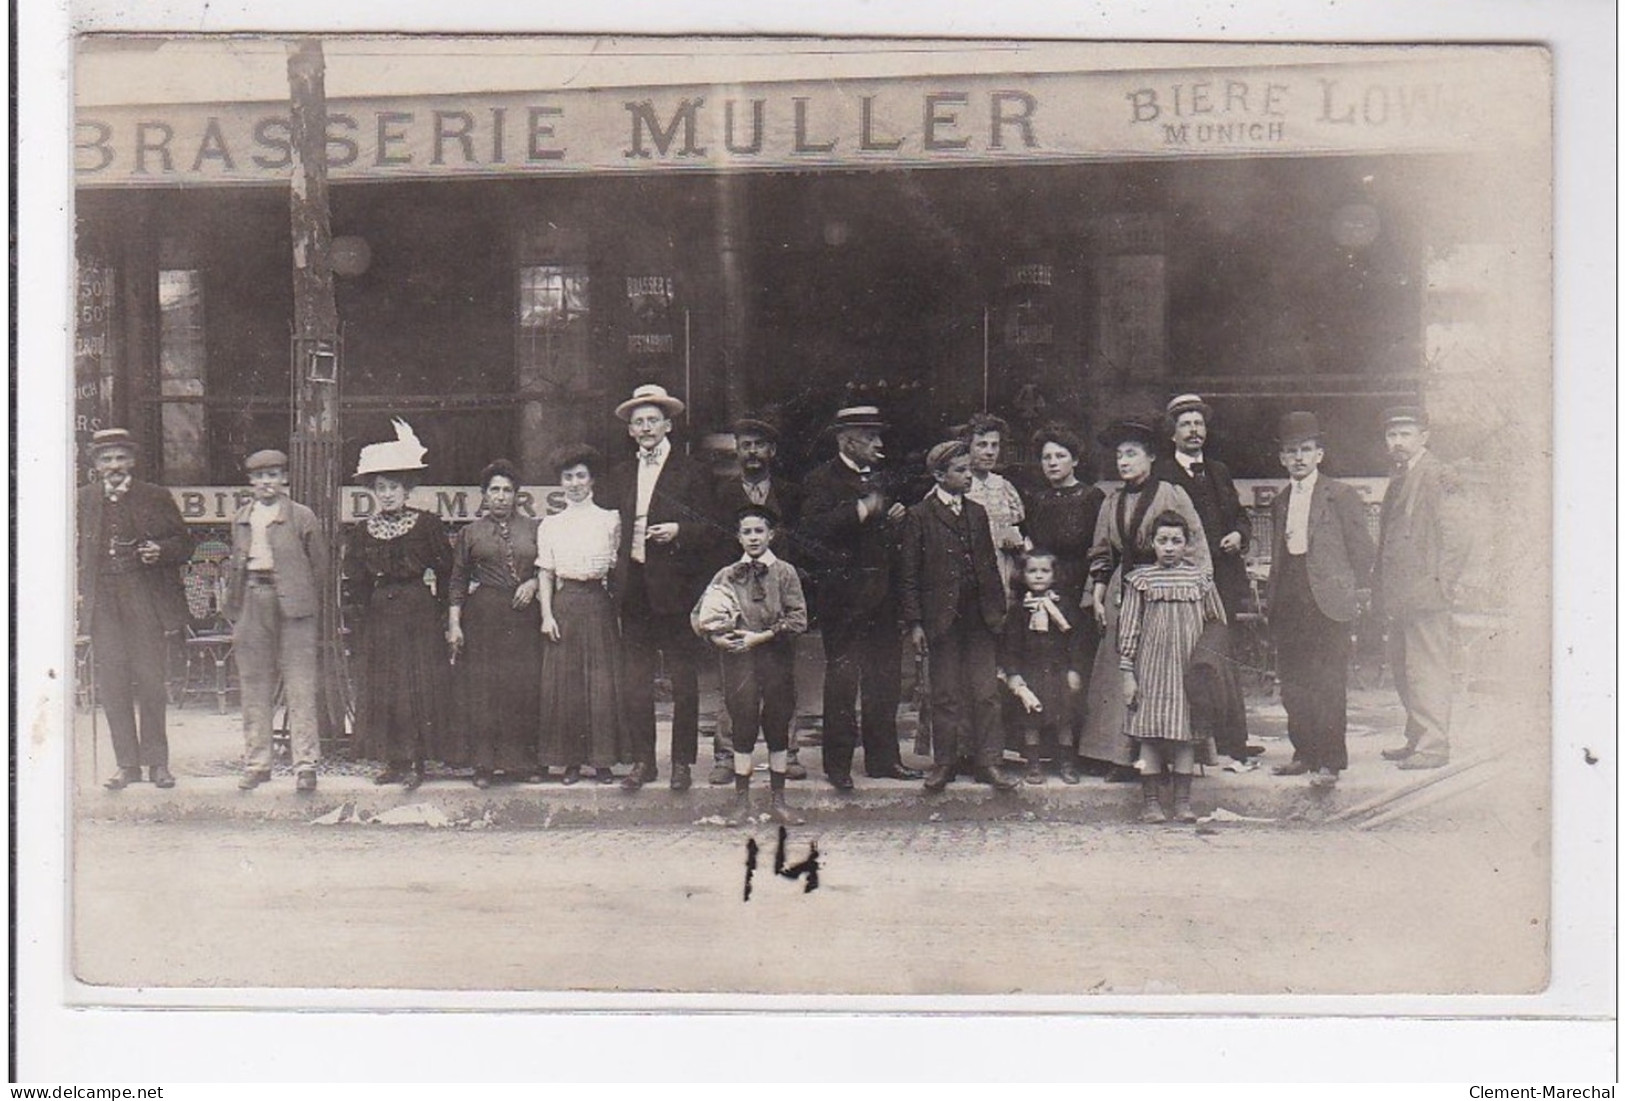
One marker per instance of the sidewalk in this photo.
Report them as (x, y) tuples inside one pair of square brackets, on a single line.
[(205, 748)]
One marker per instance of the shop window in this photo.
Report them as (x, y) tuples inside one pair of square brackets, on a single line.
[(181, 361), (554, 304)]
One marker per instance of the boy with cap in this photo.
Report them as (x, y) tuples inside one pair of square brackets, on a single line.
[(278, 567), (952, 601), (1420, 560), (131, 541), (1322, 554)]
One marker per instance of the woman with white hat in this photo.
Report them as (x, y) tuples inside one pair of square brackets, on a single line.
[(400, 658)]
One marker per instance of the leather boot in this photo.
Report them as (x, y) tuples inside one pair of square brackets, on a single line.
[(1182, 799), (780, 812), (1151, 790)]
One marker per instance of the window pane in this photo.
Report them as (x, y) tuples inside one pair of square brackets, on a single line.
[(554, 304), (181, 363)]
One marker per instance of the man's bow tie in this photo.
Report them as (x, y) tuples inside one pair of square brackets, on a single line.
[(651, 457)]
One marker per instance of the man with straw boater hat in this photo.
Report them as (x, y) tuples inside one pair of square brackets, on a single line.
[(1421, 554), (668, 532), (1322, 555), (278, 568), (131, 543), (850, 519)]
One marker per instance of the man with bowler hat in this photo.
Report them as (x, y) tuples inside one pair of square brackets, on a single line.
[(279, 564), (1212, 490), (668, 532), (1322, 554), (756, 443), (850, 517), (131, 542), (1419, 563)]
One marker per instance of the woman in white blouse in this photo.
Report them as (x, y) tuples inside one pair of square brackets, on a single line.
[(581, 668)]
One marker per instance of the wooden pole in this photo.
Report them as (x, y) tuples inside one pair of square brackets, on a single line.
[(315, 358)]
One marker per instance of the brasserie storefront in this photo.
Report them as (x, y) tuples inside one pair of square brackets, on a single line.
[(1069, 245)]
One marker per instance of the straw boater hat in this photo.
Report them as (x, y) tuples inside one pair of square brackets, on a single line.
[(1139, 429), (1405, 414), (1187, 403), (1298, 427), (402, 453), (265, 460), (649, 394), (856, 416), (112, 437)]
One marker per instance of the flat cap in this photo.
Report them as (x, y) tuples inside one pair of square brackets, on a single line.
[(1405, 414), (265, 460), (944, 453)]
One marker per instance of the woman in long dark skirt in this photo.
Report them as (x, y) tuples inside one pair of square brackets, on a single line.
[(400, 654), (1061, 519), (581, 668), (495, 643)]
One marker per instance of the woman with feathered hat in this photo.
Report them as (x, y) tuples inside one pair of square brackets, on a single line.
[(400, 656)]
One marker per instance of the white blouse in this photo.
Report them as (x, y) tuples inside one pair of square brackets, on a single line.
[(579, 544)]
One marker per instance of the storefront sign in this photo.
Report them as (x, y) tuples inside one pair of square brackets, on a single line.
[(455, 504), (460, 504), (1436, 103)]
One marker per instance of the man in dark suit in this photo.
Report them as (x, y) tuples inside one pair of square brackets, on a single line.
[(848, 526), (668, 530), (1208, 483), (1420, 559), (1322, 555), (131, 541), (952, 599), (756, 443)]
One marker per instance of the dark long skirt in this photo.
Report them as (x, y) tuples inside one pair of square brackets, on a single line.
[(581, 682), (402, 688), (498, 706)]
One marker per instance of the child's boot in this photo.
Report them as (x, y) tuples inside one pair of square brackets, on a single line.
[(1035, 766), (1151, 789), (1182, 798), (779, 812), (1069, 766), (741, 810)]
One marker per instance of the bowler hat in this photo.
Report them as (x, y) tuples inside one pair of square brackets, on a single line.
[(265, 460), (1405, 414), (1188, 403), (1138, 429), (857, 416), (1298, 427), (111, 437), (650, 394)]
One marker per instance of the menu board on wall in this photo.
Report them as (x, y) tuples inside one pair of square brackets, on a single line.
[(93, 365)]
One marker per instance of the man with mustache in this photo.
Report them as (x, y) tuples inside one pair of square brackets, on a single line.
[(850, 520), (131, 541), (1420, 555)]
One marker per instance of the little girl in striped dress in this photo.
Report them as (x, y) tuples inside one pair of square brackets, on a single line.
[(1165, 607)]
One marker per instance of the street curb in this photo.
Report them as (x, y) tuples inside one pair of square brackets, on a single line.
[(453, 803)]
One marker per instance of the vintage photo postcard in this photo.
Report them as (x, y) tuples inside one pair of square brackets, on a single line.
[(566, 519)]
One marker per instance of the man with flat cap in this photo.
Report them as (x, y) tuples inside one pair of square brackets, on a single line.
[(279, 565), (1421, 553), (756, 443), (131, 543), (850, 517), (668, 532), (1322, 555), (1207, 482), (952, 599)]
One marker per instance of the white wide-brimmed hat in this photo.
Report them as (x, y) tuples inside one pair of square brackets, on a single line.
[(404, 452), (649, 394)]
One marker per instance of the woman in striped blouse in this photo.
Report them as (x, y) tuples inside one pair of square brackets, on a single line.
[(1165, 607)]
